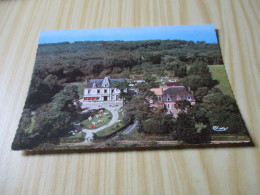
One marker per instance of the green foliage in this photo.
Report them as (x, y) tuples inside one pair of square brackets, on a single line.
[(52, 120), (150, 82), (58, 65), (199, 113), (183, 105), (138, 108), (158, 123), (186, 131), (113, 128), (223, 111), (78, 137), (200, 93), (199, 76)]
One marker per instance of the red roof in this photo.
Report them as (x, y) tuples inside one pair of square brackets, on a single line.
[(170, 84)]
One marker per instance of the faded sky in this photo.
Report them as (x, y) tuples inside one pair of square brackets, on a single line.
[(188, 32)]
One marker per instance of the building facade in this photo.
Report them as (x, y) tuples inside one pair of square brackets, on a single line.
[(168, 97), (102, 90)]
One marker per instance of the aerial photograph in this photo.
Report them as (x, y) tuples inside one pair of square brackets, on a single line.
[(139, 87)]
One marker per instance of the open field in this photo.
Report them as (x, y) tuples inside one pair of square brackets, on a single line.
[(219, 73)]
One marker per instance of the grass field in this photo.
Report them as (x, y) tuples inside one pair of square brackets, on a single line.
[(219, 73)]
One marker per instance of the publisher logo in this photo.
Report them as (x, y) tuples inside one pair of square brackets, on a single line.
[(218, 128)]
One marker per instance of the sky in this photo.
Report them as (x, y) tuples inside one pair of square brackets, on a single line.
[(194, 33)]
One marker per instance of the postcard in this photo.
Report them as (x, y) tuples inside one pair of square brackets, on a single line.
[(142, 87)]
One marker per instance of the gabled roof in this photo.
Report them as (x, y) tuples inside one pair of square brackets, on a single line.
[(98, 82), (175, 92)]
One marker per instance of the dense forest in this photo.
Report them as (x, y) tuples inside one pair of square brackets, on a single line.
[(61, 63), (59, 68)]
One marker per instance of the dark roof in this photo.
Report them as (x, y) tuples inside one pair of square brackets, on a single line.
[(175, 92), (100, 81)]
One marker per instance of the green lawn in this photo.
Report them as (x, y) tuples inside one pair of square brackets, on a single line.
[(78, 137), (30, 128), (135, 135), (219, 73), (109, 130), (113, 128), (105, 118)]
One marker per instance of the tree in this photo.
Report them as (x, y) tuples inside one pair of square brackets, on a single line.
[(52, 120), (124, 93), (185, 130), (199, 114), (199, 76), (190, 57), (158, 123), (223, 111), (183, 105), (200, 93), (150, 80)]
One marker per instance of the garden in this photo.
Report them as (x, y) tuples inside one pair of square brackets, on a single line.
[(119, 125), (100, 119)]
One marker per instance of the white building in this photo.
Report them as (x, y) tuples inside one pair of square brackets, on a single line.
[(101, 90)]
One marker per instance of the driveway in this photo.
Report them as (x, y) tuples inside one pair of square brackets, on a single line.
[(111, 106)]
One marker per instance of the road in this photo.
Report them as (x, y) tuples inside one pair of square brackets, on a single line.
[(128, 130)]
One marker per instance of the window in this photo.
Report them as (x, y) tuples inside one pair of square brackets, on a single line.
[(169, 105), (105, 91), (112, 91), (89, 91), (189, 98), (179, 98), (98, 91), (168, 99)]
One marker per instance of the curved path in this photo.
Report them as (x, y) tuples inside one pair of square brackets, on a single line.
[(128, 130), (114, 111)]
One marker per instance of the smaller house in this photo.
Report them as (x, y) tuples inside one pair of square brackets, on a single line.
[(174, 94), (159, 93), (168, 96)]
